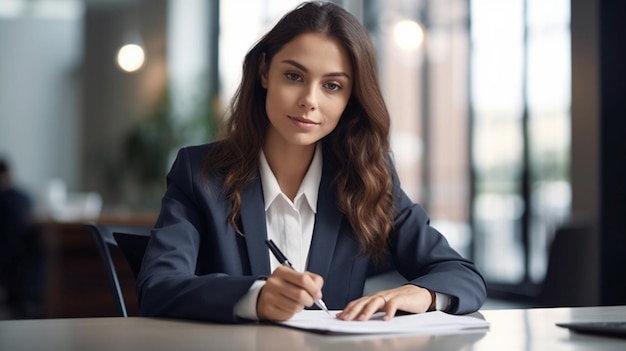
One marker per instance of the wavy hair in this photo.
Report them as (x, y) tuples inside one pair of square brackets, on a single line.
[(359, 145)]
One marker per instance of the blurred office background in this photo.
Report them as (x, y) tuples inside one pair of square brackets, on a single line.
[(507, 125)]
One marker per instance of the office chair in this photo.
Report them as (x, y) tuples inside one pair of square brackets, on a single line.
[(131, 241), (572, 271), (133, 246)]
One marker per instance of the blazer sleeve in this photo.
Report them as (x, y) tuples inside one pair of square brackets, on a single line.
[(167, 285), (423, 256)]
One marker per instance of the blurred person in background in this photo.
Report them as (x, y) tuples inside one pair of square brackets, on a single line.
[(21, 254)]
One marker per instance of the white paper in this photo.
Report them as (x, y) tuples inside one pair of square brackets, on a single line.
[(425, 323)]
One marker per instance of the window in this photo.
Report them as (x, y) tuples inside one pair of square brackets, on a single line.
[(423, 49), (520, 138)]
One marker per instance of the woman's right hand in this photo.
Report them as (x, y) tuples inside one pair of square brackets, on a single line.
[(286, 292)]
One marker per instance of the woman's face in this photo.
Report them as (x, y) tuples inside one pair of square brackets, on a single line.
[(308, 82)]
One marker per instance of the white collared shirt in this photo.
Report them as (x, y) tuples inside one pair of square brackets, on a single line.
[(289, 224)]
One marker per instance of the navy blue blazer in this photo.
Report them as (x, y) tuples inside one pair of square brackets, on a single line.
[(197, 267)]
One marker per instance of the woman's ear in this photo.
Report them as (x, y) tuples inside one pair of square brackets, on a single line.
[(263, 70)]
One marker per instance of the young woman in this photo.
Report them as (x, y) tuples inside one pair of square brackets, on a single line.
[(305, 162)]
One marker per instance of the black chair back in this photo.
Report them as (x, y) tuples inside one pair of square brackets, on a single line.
[(133, 246), (133, 241)]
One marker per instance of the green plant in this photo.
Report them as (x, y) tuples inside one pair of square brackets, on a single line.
[(154, 140)]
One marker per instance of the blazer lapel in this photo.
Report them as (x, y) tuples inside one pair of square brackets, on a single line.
[(254, 227), (327, 226)]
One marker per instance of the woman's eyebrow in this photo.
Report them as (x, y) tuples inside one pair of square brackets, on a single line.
[(305, 70)]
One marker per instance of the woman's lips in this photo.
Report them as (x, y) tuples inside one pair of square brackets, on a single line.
[(302, 122)]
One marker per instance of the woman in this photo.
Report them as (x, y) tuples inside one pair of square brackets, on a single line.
[(305, 162)]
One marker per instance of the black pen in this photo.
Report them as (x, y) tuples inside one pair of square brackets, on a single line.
[(285, 262)]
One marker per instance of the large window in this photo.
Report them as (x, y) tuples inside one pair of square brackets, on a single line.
[(520, 137), (424, 50), (480, 114)]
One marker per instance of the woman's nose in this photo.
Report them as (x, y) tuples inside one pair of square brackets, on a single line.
[(308, 100)]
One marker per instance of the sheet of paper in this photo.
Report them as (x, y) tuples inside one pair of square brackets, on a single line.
[(425, 323)]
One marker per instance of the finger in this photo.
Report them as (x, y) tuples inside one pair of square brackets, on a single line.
[(316, 283), (272, 304), (274, 311), (309, 282), (351, 310), (373, 305), (289, 290), (283, 272), (390, 308), (361, 309)]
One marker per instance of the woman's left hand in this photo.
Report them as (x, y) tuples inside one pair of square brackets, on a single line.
[(407, 298)]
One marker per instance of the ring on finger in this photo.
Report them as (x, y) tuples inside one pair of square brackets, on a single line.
[(382, 297)]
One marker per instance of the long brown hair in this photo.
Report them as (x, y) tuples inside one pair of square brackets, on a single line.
[(359, 145)]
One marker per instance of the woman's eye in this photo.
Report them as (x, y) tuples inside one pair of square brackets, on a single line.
[(292, 76), (333, 86)]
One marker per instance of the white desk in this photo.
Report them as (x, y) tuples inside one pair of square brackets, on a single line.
[(528, 330)]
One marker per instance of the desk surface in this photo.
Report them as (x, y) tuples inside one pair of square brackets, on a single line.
[(531, 329)]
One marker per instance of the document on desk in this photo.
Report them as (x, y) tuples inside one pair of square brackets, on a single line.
[(425, 323)]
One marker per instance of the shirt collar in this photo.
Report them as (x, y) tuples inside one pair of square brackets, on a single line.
[(309, 187)]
